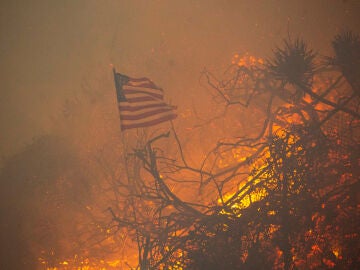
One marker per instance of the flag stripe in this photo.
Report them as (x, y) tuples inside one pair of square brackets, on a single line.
[(134, 108), (143, 103), (140, 79), (145, 110), (144, 82), (144, 114), (149, 118), (132, 92), (139, 99), (148, 123), (143, 89)]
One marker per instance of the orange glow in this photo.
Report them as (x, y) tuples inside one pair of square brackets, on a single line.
[(246, 60), (248, 196)]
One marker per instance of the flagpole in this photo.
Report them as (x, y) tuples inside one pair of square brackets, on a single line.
[(121, 133), (114, 73)]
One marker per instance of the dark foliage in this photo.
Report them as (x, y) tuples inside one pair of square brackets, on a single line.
[(296, 209), (347, 57), (294, 63)]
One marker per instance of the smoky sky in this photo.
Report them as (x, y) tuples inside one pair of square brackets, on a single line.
[(49, 48)]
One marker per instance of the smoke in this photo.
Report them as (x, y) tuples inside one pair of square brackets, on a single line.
[(48, 49), (56, 60)]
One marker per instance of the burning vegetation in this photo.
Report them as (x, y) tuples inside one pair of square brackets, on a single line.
[(284, 198)]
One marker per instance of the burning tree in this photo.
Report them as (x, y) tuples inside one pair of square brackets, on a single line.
[(285, 198)]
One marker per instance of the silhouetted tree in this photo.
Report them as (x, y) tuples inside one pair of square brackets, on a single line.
[(287, 201), (43, 191)]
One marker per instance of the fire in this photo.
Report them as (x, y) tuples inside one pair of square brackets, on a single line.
[(247, 198), (242, 194), (246, 60), (114, 263), (89, 263)]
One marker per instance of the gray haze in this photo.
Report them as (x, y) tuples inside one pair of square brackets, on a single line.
[(50, 49)]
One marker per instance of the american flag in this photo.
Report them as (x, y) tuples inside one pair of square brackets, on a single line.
[(141, 102)]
